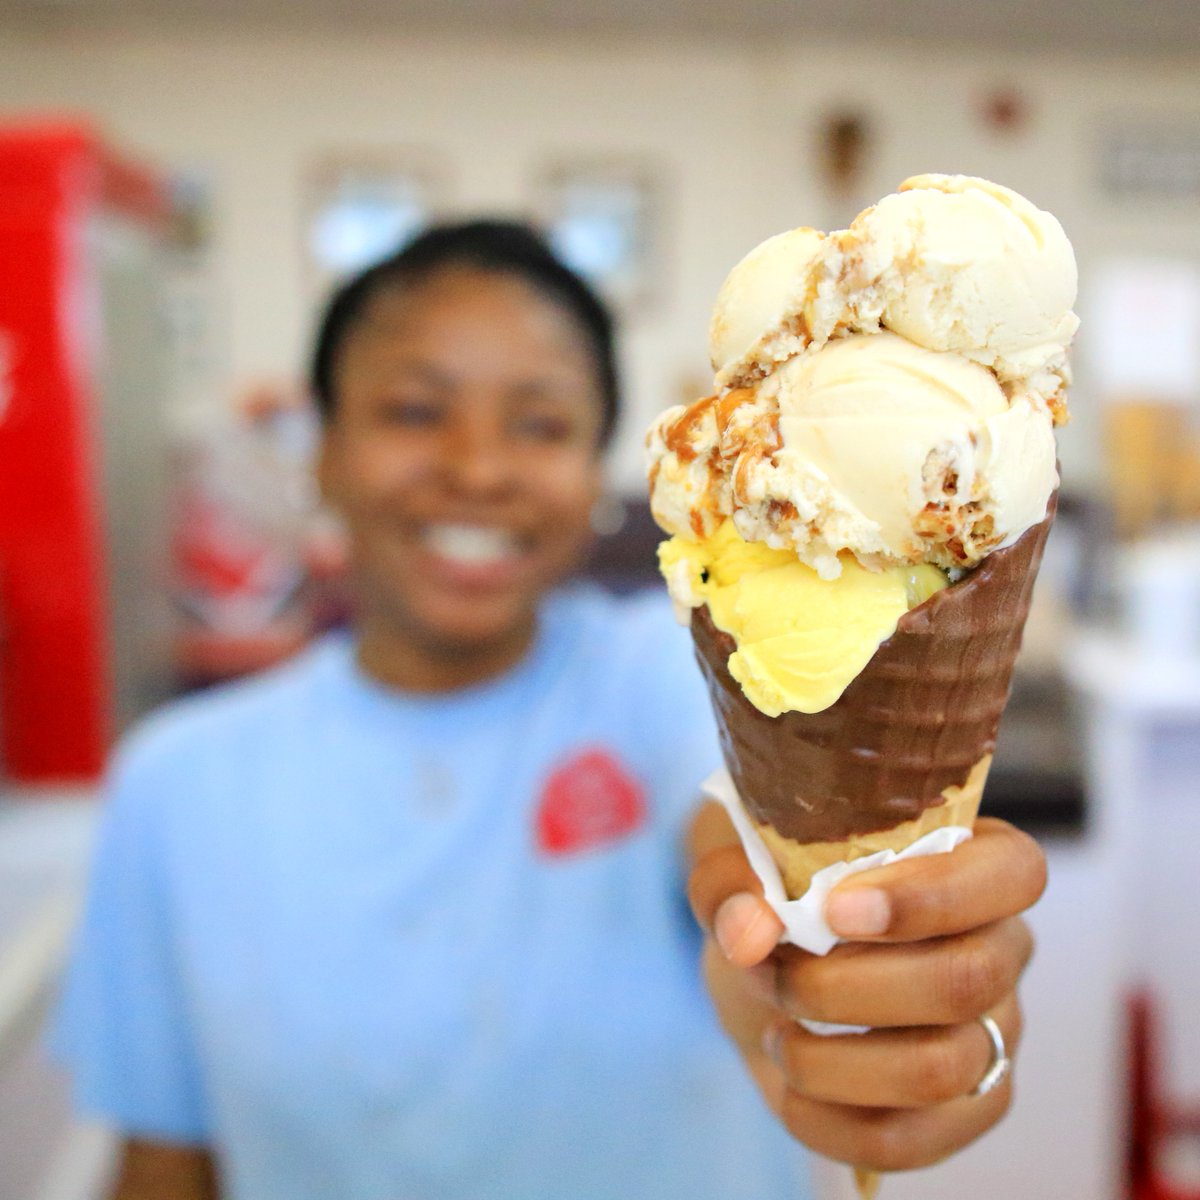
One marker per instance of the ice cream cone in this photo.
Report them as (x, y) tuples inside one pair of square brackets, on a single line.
[(858, 514), (907, 747), (867, 1183), (798, 862), (911, 738)]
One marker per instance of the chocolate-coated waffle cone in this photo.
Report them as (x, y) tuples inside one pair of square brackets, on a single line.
[(798, 862), (913, 725)]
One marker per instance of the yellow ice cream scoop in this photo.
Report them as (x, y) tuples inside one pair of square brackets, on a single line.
[(800, 639)]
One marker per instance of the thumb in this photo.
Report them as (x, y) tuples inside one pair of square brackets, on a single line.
[(726, 895)]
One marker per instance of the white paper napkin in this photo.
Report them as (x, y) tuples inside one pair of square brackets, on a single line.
[(804, 923)]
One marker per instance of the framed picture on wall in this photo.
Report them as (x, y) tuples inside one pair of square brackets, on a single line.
[(603, 217), (360, 207), (1151, 159)]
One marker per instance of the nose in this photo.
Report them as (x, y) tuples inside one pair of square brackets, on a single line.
[(475, 461)]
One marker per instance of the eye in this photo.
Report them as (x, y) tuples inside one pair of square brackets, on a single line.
[(544, 427), (410, 412)]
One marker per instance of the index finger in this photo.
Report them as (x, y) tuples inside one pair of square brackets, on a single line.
[(998, 873)]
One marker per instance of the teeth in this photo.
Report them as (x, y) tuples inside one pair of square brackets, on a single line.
[(471, 545)]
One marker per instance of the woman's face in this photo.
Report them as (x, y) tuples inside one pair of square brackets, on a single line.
[(462, 456)]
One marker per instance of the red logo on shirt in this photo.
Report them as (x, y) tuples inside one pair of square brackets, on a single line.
[(589, 800)]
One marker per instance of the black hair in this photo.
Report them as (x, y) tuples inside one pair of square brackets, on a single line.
[(499, 247)]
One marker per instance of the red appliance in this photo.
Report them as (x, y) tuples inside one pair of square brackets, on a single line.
[(1163, 1145), (83, 379)]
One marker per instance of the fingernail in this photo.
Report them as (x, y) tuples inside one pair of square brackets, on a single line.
[(736, 917), (858, 912)]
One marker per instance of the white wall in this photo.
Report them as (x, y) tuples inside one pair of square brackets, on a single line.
[(733, 129)]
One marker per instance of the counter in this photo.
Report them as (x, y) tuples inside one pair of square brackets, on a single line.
[(45, 837)]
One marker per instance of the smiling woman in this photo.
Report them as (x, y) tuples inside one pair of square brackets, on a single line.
[(284, 987), (462, 449)]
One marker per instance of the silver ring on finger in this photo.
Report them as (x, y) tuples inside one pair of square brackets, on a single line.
[(1000, 1064)]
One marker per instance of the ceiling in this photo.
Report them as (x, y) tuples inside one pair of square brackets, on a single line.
[(1107, 26)]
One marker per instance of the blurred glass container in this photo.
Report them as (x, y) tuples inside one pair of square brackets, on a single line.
[(1153, 456), (1159, 590)]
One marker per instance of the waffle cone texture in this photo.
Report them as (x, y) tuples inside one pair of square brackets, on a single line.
[(798, 862)]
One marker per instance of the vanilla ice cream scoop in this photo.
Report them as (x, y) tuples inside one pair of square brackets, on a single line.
[(956, 263), (948, 261), (760, 295), (872, 446), (898, 454)]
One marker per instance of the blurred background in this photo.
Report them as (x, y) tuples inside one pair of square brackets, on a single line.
[(181, 182)]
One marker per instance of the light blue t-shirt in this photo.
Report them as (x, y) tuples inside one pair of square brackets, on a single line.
[(371, 946)]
